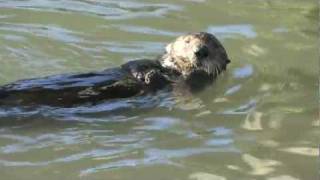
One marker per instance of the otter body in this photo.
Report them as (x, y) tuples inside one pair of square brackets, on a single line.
[(193, 59), (133, 78)]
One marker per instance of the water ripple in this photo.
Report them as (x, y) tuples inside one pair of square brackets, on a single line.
[(243, 72), (109, 9), (156, 156), (229, 31), (147, 30), (45, 31)]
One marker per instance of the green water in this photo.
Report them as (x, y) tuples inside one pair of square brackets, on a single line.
[(259, 121)]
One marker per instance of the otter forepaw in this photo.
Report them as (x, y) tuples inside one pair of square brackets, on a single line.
[(152, 76)]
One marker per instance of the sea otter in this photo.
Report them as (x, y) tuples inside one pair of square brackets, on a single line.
[(194, 59)]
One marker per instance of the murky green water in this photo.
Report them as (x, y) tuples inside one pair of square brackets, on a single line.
[(259, 121)]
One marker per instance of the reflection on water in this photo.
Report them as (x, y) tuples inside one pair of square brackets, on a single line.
[(146, 30), (109, 9), (229, 30), (258, 121)]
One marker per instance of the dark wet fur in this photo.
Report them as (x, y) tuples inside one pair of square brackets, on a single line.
[(131, 79), (73, 89)]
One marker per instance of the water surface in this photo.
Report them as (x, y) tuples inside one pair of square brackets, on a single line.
[(258, 121)]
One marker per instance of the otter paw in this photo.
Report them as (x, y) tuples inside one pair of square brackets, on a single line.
[(151, 76), (139, 76)]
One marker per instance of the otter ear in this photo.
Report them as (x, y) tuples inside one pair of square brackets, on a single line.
[(169, 48)]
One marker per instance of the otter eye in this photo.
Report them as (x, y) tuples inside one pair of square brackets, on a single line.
[(203, 52)]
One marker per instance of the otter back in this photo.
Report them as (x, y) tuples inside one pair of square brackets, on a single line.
[(72, 89)]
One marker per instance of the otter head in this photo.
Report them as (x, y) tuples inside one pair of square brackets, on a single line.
[(196, 55)]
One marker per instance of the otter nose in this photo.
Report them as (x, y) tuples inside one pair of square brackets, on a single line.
[(202, 52)]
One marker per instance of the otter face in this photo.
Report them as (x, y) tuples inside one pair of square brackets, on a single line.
[(197, 53)]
